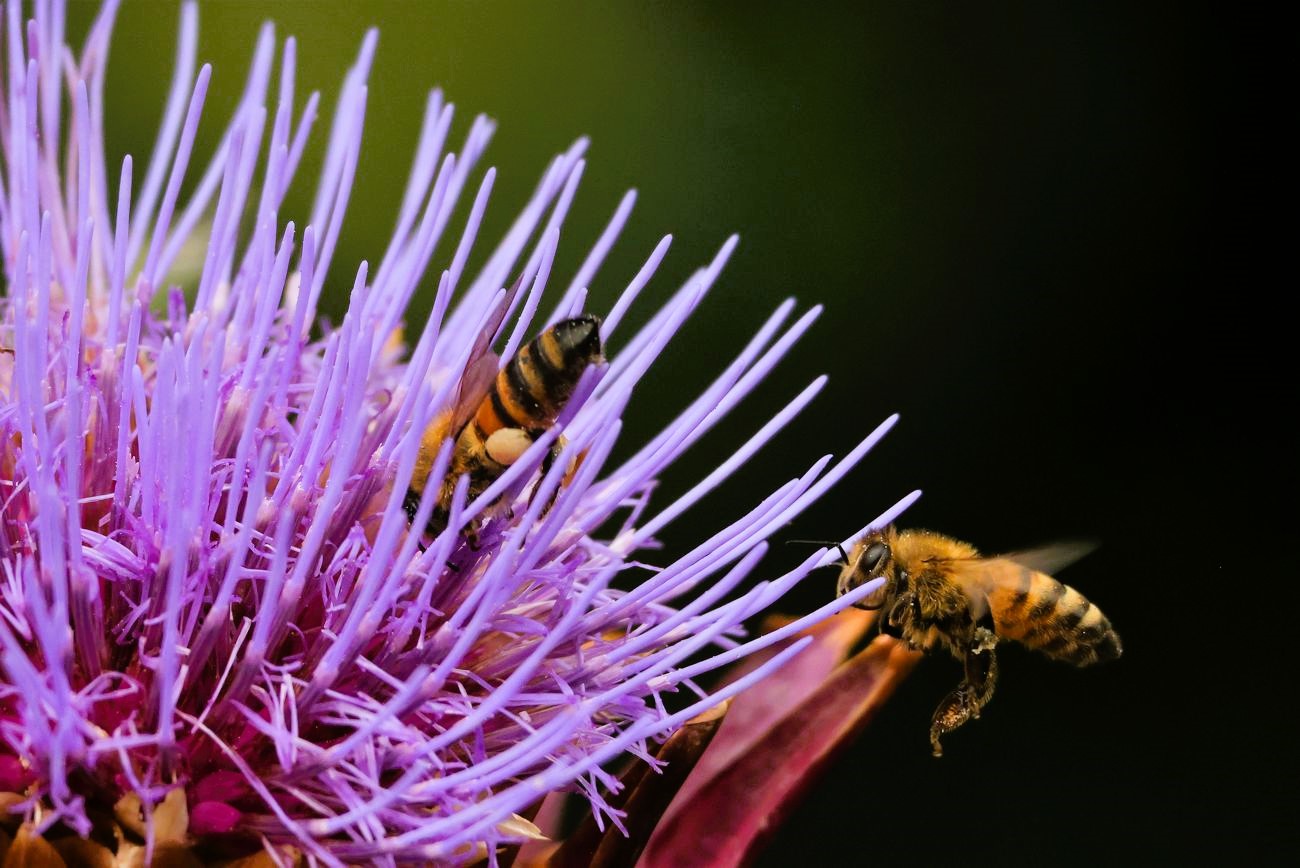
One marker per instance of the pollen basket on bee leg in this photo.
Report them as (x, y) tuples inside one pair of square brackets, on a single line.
[(506, 445)]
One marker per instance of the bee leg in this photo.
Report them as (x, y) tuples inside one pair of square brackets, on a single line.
[(955, 710), (548, 462), (974, 692), (981, 671), (900, 613), (888, 629), (900, 616), (981, 663), (411, 504)]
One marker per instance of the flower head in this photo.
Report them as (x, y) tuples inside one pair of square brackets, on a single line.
[(216, 620)]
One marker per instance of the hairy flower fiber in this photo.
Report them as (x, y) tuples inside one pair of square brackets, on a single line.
[(209, 585)]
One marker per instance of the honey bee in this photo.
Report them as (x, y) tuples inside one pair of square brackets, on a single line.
[(940, 593), (500, 413)]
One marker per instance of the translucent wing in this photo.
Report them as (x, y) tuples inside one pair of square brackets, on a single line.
[(480, 370), (1001, 576), (995, 569), (496, 324), (475, 382), (1052, 558), (474, 386), (470, 392)]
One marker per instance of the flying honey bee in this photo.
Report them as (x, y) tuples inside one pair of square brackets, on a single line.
[(940, 592), (500, 413)]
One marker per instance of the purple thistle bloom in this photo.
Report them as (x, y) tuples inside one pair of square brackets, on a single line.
[(209, 583)]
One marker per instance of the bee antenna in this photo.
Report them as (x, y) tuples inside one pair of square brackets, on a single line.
[(820, 542)]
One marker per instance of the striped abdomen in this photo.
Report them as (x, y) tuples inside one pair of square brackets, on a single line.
[(533, 387), (525, 398), (1036, 610)]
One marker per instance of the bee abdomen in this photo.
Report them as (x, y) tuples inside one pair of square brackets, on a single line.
[(1059, 621), (533, 387)]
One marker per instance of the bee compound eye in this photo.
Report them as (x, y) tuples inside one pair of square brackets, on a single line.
[(874, 556)]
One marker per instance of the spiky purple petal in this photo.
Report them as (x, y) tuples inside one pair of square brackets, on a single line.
[(209, 577)]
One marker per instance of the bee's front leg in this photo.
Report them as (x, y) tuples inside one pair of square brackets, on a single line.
[(974, 692), (900, 616)]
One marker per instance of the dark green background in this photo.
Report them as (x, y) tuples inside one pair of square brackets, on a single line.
[(1031, 226)]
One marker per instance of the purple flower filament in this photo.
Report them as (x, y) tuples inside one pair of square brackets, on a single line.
[(209, 579)]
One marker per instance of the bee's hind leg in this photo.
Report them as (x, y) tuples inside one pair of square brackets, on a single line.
[(975, 690), (548, 462)]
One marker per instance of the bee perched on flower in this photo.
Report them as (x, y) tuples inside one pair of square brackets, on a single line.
[(226, 627)]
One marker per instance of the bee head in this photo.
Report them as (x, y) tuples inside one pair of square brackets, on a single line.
[(872, 558)]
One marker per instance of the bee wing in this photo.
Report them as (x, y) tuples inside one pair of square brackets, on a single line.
[(474, 386), (982, 578), (1050, 559), (987, 573), (481, 368), (496, 321)]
